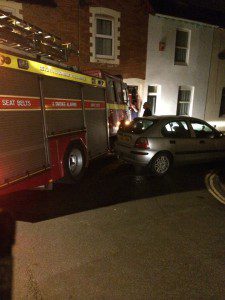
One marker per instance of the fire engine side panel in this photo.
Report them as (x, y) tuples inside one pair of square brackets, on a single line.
[(22, 147), (95, 116), (63, 105)]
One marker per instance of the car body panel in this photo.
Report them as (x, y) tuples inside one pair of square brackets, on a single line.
[(185, 149)]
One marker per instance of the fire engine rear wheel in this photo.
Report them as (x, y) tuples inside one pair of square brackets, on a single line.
[(74, 162)]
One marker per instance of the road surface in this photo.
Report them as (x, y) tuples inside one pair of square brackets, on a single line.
[(111, 238)]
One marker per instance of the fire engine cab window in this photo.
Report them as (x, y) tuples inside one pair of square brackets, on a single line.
[(119, 93), (111, 90), (125, 95)]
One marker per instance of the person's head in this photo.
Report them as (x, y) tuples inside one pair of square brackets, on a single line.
[(145, 105)]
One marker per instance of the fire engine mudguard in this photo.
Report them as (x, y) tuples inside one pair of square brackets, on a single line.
[(74, 161)]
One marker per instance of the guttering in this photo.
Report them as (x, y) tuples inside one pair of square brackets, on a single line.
[(186, 20)]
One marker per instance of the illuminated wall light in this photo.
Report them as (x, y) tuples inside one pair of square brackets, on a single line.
[(3, 16), (47, 36)]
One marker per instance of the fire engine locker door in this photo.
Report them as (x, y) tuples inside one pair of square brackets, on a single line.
[(22, 148), (63, 106), (96, 120)]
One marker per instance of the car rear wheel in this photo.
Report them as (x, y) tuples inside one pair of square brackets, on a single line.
[(74, 162), (160, 164)]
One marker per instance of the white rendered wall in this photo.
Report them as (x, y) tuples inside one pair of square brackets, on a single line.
[(161, 70), (216, 82)]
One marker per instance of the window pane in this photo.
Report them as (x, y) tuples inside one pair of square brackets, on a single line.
[(119, 93), (110, 90), (103, 46), (152, 89), (183, 105), (201, 130), (180, 55), (183, 109), (184, 95), (182, 39), (140, 125), (176, 129), (104, 27)]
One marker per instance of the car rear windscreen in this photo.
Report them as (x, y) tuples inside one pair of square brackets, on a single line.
[(138, 125)]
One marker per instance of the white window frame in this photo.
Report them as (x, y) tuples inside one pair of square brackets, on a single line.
[(97, 35), (186, 48), (114, 16), (186, 88)]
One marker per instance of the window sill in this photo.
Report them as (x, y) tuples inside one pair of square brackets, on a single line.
[(102, 60), (180, 64)]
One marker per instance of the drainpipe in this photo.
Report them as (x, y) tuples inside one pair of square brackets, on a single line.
[(210, 66)]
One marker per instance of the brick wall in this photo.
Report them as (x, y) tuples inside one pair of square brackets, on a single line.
[(64, 21)]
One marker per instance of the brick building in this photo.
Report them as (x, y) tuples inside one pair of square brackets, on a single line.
[(110, 35)]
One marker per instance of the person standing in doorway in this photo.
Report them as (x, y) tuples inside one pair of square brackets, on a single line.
[(147, 110)]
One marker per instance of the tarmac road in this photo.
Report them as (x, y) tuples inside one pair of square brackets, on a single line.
[(111, 238)]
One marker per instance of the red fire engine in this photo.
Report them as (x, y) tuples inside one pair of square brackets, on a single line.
[(117, 100), (52, 120)]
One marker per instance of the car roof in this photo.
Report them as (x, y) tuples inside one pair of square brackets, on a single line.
[(171, 117)]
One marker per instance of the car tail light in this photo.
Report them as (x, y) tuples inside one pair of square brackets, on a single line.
[(142, 143)]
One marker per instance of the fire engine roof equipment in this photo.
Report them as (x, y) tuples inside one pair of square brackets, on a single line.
[(19, 34)]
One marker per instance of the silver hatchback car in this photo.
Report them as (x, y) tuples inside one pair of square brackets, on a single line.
[(158, 141)]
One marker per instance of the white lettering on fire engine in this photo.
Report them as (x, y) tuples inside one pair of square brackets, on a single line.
[(95, 105), (64, 73), (24, 103), (58, 104), (71, 104), (8, 102)]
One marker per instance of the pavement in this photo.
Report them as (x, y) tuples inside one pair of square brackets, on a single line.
[(162, 247)]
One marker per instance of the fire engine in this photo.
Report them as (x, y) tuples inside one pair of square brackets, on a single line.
[(53, 120)]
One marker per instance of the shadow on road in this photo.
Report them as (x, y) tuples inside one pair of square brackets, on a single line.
[(107, 182)]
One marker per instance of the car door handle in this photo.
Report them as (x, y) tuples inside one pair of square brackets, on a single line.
[(202, 142), (172, 142)]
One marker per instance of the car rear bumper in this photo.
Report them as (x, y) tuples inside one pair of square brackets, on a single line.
[(134, 156)]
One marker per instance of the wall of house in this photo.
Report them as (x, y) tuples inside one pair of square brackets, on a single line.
[(216, 82), (161, 70), (72, 23)]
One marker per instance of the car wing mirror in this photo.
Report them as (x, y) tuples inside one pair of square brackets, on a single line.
[(216, 135)]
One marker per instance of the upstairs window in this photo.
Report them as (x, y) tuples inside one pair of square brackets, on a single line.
[(104, 38), (184, 101), (182, 47), (104, 35), (222, 104)]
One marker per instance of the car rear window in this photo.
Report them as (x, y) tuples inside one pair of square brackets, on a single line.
[(138, 125)]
